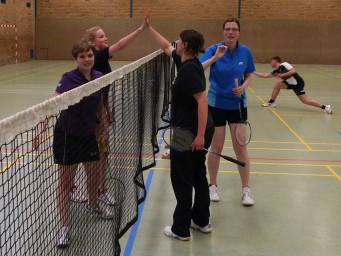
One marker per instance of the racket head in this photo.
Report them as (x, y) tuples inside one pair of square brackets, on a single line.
[(178, 138), (242, 133)]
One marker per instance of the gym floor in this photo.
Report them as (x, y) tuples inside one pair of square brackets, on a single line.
[(295, 171)]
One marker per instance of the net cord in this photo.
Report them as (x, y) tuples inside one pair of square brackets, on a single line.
[(25, 120)]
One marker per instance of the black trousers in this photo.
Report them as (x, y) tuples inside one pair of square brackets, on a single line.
[(188, 171)]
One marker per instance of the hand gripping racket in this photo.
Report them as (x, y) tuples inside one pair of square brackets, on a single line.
[(180, 139)]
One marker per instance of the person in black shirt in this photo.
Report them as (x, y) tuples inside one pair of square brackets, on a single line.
[(189, 110), (291, 80)]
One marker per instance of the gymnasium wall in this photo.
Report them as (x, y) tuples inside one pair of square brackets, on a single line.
[(16, 12), (302, 31)]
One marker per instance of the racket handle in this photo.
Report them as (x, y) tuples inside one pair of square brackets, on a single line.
[(230, 159), (242, 164), (236, 83)]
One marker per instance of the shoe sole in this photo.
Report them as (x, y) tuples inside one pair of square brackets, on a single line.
[(248, 205), (214, 200), (204, 232), (184, 239)]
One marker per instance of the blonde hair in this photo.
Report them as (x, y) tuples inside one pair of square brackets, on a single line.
[(90, 34)]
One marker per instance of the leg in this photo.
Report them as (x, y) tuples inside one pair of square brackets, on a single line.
[(213, 160), (242, 155), (244, 172), (182, 180), (93, 177), (200, 211), (103, 139), (275, 92), (305, 100), (66, 178)]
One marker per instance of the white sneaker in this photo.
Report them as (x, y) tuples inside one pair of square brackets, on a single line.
[(168, 232), (247, 197), (104, 214), (328, 109), (268, 104), (206, 229), (214, 193), (106, 198), (63, 238), (77, 196)]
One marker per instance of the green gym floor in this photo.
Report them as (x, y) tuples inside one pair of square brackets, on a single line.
[(295, 171)]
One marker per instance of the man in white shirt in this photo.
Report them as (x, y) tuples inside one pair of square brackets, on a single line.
[(291, 80)]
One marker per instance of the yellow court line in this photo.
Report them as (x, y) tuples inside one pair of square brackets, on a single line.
[(325, 73), (294, 149), (335, 174), (251, 90), (288, 126), (262, 173), (277, 163)]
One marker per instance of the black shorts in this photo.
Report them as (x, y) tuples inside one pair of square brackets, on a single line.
[(70, 149), (298, 88), (222, 116)]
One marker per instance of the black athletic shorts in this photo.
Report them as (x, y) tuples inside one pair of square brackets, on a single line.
[(298, 88), (222, 116), (70, 149)]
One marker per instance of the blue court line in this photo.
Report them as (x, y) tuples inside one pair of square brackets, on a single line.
[(134, 229)]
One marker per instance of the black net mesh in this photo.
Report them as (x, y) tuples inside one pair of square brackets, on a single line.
[(33, 189)]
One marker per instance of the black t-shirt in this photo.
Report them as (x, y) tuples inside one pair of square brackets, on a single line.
[(102, 61), (292, 79), (101, 64), (189, 81)]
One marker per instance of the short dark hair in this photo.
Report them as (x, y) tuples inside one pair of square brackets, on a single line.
[(195, 41), (82, 46), (235, 20), (277, 58)]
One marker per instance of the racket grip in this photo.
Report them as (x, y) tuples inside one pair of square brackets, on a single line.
[(236, 83), (242, 164)]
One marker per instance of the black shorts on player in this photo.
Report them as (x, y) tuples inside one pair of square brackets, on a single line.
[(222, 116), (72, 149), (298, 88)]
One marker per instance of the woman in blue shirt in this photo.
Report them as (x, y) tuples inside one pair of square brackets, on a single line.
[(228, 103)]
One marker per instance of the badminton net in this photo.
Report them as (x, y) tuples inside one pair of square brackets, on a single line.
[(30, 218)]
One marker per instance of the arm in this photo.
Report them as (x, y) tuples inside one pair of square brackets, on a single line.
[(199, 141), (221, 50), (125, 41), (238, 90), (41, 129), (263, 75), (165, 45), (286, 74)]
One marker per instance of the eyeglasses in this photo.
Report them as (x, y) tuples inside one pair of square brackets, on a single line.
[(231, 29)]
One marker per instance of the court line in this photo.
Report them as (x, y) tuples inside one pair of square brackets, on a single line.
[(288, 126), (133, 233), (279, 164), (263, 173), (335, 174), (324, 73), (295, 159)]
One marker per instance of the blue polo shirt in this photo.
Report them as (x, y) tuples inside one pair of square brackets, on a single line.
[(222, 74), (80, 118)]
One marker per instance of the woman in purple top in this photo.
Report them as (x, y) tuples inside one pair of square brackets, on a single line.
[(74, 138)]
